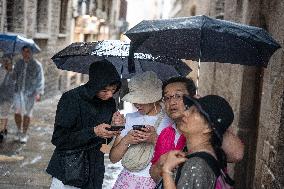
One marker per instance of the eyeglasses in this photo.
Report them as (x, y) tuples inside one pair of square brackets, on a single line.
[(177, 97)]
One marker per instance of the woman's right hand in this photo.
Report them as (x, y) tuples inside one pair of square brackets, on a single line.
[(131, 138), (100, 130), (173, 159)]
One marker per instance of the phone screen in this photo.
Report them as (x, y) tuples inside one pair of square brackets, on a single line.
[(138, 127), (115, 128)]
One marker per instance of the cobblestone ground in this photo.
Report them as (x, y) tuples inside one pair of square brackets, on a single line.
[(26, 164)]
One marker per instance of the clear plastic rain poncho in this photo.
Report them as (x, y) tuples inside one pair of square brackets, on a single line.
[(29, 83), (7, 83)]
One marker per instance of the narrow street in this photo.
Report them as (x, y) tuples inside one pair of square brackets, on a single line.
[(23, 166)]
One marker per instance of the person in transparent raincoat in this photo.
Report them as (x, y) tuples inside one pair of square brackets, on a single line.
[(7, 84), (29, 88)]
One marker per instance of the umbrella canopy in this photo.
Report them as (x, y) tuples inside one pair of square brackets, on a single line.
[(12, 44), (205, 39), (78, 57)]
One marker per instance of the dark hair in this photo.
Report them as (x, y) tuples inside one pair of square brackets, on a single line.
[(26, 47), (221, 157), (216, 143), (117, 84), (189, 84)]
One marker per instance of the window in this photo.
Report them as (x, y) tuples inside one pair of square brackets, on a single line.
[(59, 87), (73, 80), (220, 6), (83, 7), (63, 16), (104, 6), (193, 10), (42, 16), (123, 10), (15, 16)]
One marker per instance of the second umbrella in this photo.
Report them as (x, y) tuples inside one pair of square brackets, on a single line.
[(78, 57)]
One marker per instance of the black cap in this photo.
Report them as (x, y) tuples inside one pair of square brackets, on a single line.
[(216, 110)]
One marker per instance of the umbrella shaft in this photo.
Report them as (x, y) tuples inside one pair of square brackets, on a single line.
[(197, 79)]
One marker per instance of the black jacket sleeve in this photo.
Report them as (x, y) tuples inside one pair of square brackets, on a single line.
[(66, 135)]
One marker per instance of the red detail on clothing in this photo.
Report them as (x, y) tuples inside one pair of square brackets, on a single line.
[(166, 143)]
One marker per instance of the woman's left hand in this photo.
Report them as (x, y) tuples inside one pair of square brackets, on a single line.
[(147, 134), (173, 159)]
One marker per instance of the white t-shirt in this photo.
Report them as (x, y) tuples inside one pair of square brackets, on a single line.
[(177, 133), (137, 119)]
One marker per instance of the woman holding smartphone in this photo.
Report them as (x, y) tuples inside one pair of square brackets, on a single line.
[(142, 126)]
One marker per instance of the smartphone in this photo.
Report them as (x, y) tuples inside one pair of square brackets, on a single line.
[(138, 127), (115, 128)]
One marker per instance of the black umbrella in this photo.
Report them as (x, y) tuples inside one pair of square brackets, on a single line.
[(205, 39), (77, 57)]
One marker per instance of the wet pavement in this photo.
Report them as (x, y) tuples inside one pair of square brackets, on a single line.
[(23, 165)]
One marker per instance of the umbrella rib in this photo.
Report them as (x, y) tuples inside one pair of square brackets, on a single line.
[(250, 44), (254, 35)]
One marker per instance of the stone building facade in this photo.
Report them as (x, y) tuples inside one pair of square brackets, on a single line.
[(52, 25), (96, 20), (45, 21), (256, 94), (99, 19)]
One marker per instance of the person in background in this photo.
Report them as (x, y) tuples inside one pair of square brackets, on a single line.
[(7, 87), (82, 118), (145, 93), (29, 88), (171, 138)]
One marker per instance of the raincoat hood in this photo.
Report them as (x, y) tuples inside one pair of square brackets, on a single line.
[(101, 74)]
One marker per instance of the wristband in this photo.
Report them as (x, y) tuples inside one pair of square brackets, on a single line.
[(167, 172)]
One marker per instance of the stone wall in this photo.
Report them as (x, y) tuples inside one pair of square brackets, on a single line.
[(257, 98), (270, 151), (256, 94)]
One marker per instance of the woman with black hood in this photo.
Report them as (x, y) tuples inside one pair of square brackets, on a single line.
[(82, 118)]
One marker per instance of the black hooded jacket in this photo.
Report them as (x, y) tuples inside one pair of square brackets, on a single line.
[(78, 112)]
